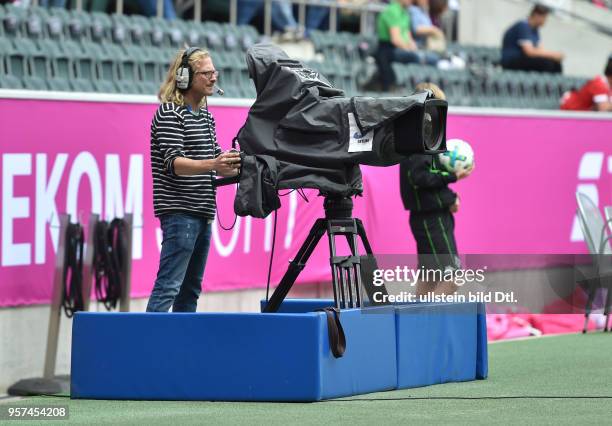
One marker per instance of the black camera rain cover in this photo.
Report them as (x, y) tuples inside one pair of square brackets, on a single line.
[(318, 136)]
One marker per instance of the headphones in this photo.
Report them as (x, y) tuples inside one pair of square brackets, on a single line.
[(184, 73)]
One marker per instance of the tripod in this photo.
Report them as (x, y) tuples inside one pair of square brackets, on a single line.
[(346, 270)]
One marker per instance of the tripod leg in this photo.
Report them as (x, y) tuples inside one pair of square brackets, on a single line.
[(350, 284), (356, 270), (337, 275), (607, 308), (591, 289), (296, 266), (363, 236)]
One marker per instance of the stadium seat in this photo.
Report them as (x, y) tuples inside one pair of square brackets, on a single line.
[(140, 29), (10, 82), (34, 83), (120, 29), (12, 21), (19, 58), (147, 88), (59, 85), (105, 86), (101, 28), (82, 85), (77, 24), (127, 87), (33, 26)]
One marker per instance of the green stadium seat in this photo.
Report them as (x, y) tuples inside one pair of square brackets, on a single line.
[(10, 82), (59, 84), (105, 86), (62, 13), (147, 88), (19, 58), (77, 24), (140, 29), (50, 47), (82, 85), (13, 19), (73, 48), (6, 46), (34, 83), (127, 87), (101, 24)]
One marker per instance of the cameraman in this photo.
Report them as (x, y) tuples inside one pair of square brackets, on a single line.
[(185, 157), (425, 192)]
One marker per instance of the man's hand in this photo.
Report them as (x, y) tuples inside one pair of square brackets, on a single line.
[(463, 173), (455, 207), (559, 56), (227, 164)]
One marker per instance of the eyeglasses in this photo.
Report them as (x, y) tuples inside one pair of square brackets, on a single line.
[(208, 74)]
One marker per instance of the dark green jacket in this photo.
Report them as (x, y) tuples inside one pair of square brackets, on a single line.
[(424, 184)]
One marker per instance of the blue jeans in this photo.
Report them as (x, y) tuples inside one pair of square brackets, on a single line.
[(282, 14), (415, 56), (186, 240), (388, 53), (316, 18)]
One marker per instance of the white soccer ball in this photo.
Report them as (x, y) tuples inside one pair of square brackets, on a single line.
[(459, 155)]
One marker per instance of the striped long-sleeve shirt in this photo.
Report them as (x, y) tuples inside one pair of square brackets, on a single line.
[(176, 132)]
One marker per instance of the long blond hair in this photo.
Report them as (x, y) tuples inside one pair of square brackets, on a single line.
[(168, 92), (437, 92)]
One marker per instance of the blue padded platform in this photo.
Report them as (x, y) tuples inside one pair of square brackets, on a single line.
[(283, 356), (439, 343), (296, 306), (232, 357)]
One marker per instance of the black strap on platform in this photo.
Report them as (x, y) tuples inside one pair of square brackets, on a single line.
[(337, 340)]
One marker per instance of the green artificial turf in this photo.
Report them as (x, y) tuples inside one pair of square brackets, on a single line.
[(562, 379)]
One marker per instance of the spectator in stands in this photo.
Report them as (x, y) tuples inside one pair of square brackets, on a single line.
[(594, 95), (185, 156), (445, 15), (425, 192), (521, 48), (426, 34), (395, 43), (316, 18), (281, 14)]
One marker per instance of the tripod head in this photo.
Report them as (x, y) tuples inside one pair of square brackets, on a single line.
[(338, 207)]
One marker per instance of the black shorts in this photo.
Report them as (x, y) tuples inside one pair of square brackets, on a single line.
[(435, 237)]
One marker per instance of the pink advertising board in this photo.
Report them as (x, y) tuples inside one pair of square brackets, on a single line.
[(63, 156)]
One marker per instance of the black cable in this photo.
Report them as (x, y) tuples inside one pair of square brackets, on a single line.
[(72, 276), (271, 258), (110, 251), (212, 173), (219, 219)]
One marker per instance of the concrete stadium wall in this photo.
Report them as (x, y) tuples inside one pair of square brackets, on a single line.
[(483, 22)]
